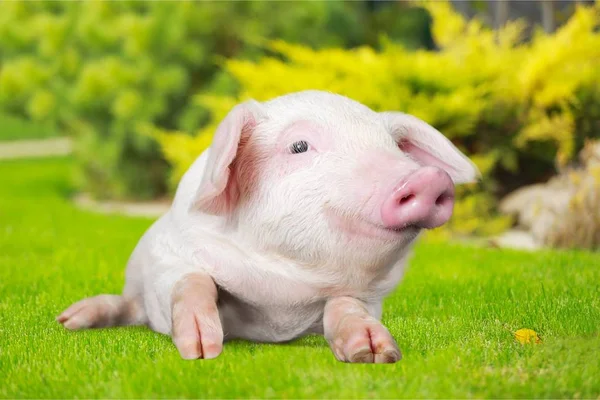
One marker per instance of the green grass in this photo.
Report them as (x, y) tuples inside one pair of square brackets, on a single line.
[(18, 129), (452, 316)]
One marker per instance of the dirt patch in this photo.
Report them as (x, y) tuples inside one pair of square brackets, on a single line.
[(150, 209), (35, 148)]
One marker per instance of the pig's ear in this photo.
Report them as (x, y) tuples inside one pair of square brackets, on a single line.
[(428, 146), (218, 192)]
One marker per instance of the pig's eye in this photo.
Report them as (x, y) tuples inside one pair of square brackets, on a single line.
[(299, 147)]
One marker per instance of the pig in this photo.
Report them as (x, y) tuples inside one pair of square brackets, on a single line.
[(298, 219)]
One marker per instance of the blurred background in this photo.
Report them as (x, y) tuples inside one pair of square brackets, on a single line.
[(136, 90)]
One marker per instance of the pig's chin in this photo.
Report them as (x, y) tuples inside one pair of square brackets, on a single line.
[(357, 228)]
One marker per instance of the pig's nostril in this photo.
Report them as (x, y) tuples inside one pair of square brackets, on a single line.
[(406, 199), (442, 199)]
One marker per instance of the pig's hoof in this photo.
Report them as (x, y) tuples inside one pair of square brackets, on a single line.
[(198, 336), (197, 331), (361, 342)]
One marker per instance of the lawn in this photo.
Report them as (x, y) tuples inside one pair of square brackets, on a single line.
[(453, 317)]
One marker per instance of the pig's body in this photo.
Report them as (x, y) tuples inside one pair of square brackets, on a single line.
[(298, 219), (263, 297)]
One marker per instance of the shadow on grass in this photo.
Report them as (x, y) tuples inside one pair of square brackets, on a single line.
[(309, 341)]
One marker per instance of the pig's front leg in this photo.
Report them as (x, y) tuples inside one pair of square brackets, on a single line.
[(355, 335), (196, 328)]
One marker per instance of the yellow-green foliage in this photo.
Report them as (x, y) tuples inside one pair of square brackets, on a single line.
[(489, 92)]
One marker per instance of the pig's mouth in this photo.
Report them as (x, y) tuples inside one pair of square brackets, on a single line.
[(360, 228), (401, 229), (408, 230)]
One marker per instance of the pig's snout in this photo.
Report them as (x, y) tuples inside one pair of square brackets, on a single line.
[(425, 199)]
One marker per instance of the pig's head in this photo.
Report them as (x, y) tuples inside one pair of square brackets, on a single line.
[(319, 179)]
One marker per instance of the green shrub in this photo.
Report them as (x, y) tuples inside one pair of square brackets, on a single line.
[(106, 71), (111, 72), (516, 108)]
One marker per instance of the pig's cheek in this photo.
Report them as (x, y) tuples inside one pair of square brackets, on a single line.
[(364, 200), (286, 164), (370, 200)]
